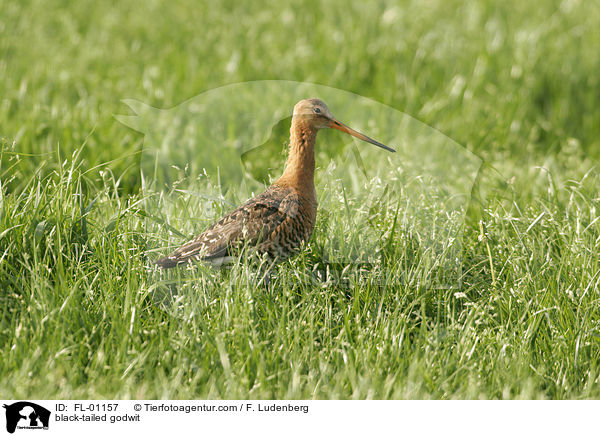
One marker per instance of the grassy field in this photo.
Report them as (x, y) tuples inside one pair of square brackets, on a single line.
[(515, 83)]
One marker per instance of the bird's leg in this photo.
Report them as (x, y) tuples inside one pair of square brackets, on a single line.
[(265, 271), (266, 280)]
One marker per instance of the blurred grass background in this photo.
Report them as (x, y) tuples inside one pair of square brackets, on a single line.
[(517, 78), (515, 82)]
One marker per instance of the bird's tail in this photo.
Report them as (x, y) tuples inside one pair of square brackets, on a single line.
[(180, 256), (168, 262)]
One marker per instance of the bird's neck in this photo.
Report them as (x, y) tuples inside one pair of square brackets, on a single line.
[(300, 166)]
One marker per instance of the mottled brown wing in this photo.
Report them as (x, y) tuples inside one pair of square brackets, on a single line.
[(250, 223)]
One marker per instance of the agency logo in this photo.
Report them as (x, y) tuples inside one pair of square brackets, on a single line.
[(26, 415)]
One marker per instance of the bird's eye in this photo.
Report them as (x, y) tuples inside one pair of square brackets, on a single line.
[(317, 110)]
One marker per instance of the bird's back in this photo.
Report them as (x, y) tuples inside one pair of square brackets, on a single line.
[(276, 222)]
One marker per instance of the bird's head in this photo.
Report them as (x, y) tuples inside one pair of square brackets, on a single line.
[(316, 113)]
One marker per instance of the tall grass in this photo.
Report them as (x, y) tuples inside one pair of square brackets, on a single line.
[(516, 83)]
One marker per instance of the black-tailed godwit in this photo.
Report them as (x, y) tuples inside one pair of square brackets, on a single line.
[(280, 219)]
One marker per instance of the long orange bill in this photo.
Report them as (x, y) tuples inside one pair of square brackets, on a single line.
[(335, 124)]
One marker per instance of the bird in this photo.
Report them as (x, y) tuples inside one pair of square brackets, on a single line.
[(282, 218)]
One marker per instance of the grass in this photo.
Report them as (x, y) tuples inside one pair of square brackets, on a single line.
[(515, 83)]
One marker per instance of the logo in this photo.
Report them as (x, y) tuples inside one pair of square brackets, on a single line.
[(26, 415)]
